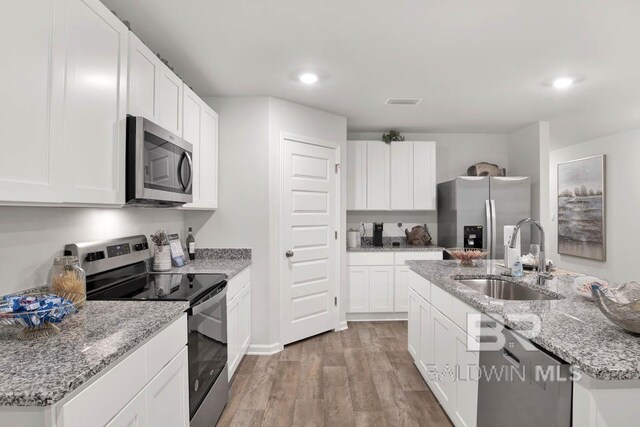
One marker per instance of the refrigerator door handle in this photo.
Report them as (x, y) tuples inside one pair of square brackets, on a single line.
[(487, 205), (494, 215)]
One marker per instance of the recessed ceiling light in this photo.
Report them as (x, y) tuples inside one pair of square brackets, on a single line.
[(308, 78), (563, 82)]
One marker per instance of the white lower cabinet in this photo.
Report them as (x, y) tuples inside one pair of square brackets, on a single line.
[(168, 395), (379, 281), (443, 352), (134, 414), (238, 319)]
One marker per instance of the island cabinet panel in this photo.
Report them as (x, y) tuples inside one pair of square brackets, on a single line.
[(446, 357), (168, 394)]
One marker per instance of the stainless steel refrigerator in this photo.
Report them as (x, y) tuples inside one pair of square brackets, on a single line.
[(480, 207)]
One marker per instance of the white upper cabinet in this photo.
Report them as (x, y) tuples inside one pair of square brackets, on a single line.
[(424, 175), (200, 128), (31, 168), (400, 176), (170, 99), (357, 175), (378, 176), (144, 74), (93, 113)]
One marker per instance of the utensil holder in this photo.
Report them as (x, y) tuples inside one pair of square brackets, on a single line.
[(161, 258)]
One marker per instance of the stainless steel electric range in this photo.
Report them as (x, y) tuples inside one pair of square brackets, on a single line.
[(117, 270)]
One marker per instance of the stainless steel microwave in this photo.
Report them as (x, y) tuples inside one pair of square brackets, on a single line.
[(159, 166)]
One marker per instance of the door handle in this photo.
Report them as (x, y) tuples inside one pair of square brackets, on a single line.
[(289, 254)]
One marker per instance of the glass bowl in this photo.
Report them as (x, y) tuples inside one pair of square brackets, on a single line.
[(467, 256), (620, 304), (43, 319)]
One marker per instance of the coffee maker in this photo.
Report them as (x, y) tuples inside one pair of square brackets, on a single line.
[(377, 234)]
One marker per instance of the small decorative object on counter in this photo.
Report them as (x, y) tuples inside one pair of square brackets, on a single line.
[(583, 285), (486, 169), (467, 256), (418, 236), (66, 276), (37, 314), (191, 245), (517, 270), (177, 253), (161, 252), (620, 304)]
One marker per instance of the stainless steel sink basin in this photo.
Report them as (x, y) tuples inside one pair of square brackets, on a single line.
[(504, 289)]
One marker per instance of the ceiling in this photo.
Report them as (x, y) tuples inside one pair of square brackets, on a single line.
[(479, 66)]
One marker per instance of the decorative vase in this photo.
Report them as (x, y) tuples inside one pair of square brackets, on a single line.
[(161, 258)]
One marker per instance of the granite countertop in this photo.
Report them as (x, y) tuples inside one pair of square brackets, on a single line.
[(212, 261), (572, 328), (388, 247), (41, 372)]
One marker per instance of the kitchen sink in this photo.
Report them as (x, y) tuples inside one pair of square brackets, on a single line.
[(505, 290)]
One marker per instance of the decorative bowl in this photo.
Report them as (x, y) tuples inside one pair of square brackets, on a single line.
[(620, 304), (467, 256), (583, 286), (43, 320)]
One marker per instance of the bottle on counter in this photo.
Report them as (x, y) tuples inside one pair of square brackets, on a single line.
[(191, 245)]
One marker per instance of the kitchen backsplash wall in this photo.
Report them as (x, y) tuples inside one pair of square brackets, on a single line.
[(391, 220), (31, 237)]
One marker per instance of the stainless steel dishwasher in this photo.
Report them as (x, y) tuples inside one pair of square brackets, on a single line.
[(523, 387)]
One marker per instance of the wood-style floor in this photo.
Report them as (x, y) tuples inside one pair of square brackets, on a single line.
[(362, 376)]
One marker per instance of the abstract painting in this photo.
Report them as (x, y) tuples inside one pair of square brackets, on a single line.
[(581, 208)]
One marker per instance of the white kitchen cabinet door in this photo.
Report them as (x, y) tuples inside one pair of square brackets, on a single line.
[(170, 101), (233, 346), (358, 289), (90, 115), (191, 131), (244, 320), (356, 175), (168, 394), (402, 175), (444, 360), (427, 343), (468, 362), (144, 75), (401, 287), (31, 164), (424, 175), (413, 325), (134, 414), (381, 289), (208, 163), (378, 181)]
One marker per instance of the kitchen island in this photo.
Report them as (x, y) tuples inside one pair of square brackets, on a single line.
[(606, 358)]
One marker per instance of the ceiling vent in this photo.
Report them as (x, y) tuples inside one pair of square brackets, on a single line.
[(403, 101)]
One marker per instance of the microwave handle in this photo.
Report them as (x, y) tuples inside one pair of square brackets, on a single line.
[(187, 186)]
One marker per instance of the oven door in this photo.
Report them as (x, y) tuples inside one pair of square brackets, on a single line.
[(207, 320), (159, 165)]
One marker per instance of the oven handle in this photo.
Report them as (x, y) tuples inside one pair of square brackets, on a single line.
[(187, 186), (207, 302)]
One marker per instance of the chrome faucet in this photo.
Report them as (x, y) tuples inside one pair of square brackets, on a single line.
[(543, 272)]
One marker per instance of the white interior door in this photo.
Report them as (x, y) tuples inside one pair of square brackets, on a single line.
[(310, 272)]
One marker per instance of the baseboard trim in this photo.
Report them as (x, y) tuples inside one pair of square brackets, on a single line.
[(265, 349), (376, 317), (342, 326)]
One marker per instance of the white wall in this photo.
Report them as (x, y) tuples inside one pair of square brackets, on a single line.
[(455, 152), (242, 220), (288, 117), (622, 194), (31, 237)]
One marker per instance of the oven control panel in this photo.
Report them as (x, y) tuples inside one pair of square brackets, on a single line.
[(118, 250)]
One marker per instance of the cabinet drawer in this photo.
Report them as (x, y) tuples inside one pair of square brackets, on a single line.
[(420, 285), (98, 403), (363, 258), (164, 346), (401, 257), (237, 282), (441, 300)]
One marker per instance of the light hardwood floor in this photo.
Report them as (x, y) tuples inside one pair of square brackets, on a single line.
[(362, 376)]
